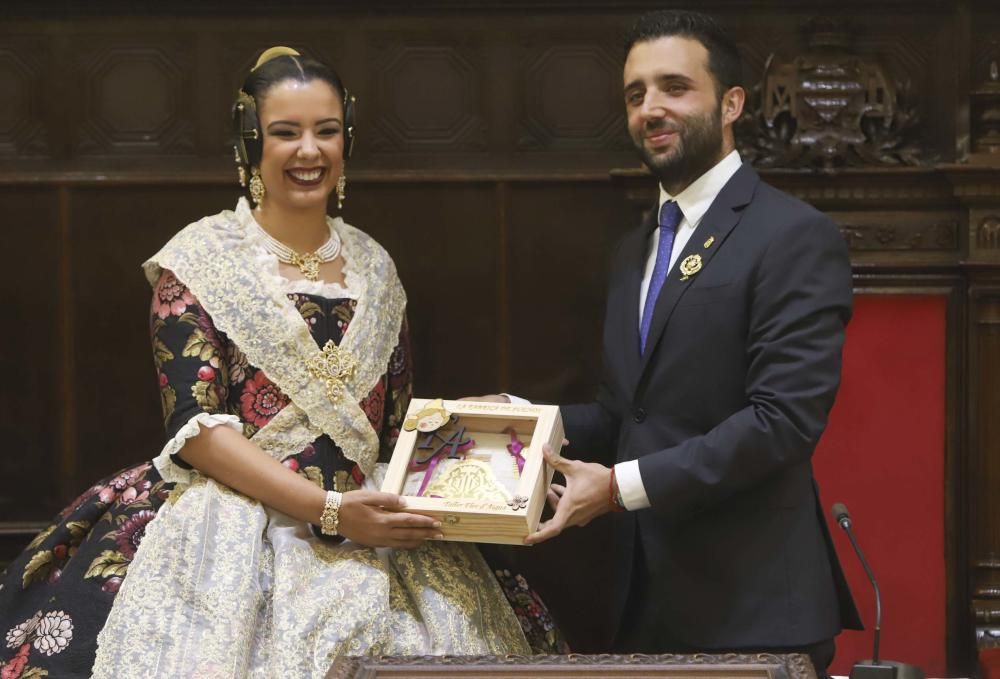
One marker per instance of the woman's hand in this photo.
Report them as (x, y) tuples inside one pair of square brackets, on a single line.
[(378, 519)]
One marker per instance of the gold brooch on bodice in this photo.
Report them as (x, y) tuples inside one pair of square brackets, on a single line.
[(334, 366)]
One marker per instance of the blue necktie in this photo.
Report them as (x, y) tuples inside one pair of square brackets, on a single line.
[(670, 217)]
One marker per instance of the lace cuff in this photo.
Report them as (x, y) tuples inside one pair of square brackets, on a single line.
[(165, 463)]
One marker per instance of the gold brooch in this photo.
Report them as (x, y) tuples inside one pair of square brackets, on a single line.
[(691, 265), (708, 243), (334, 366)]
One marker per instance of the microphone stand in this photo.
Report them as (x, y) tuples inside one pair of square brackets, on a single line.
[(874, 668)]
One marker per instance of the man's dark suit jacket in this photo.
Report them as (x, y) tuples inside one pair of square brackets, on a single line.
[(723, 412)]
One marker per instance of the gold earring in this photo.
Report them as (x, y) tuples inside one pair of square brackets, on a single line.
[(341, 194), (241, 173), (257, 190)]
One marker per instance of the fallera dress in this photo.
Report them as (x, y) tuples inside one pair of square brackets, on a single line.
[(159, 571)]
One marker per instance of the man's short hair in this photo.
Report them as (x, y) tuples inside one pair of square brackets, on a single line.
[(724, 61)]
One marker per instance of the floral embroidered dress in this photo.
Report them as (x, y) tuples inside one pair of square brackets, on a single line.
[(223, 586)]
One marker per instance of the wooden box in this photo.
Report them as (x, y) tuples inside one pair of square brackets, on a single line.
[(481, 472)]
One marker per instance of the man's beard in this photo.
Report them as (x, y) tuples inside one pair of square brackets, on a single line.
[(695, 152)]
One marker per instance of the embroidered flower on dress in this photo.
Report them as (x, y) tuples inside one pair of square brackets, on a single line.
[(132, 531), (374, 405), (171, 297), (15, 667), (261, 400), (55, 631), (397, 362), (22, 633), (129, 486)]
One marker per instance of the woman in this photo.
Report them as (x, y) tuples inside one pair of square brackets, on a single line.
[(281, 349)]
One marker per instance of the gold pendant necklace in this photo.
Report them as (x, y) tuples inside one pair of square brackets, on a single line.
[(307, 263)]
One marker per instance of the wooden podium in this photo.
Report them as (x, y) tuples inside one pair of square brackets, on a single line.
[(577, 666)]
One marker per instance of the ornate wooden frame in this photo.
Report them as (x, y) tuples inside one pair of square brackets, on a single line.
[(698, 665)]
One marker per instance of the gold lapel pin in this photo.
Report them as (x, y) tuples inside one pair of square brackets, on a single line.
[(690, 266), (708, 243)]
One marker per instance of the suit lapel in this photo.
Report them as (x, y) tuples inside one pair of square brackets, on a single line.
[(722, 216)]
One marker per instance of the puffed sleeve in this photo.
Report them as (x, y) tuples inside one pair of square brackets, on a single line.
[(189, 354)]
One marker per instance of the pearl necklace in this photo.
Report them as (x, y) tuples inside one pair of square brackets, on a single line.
[(307, 263)]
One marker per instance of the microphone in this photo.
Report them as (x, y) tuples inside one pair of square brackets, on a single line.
[(874, 668)]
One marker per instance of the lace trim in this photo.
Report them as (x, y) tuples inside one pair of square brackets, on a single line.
[(211, 257), (222, 588), (164, 462)]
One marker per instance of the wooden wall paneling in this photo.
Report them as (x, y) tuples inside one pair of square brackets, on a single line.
[(137, 93), (31, 403), (886, 237), (981, 112), (959, 644), (561, 240), (25, 64), (562, 236), (114, 230), (486, 130), (444, 240), (984, 451)]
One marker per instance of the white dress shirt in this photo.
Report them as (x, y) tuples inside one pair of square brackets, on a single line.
[(694, 202)]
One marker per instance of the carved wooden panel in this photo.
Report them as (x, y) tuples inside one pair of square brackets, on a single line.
[(985, 234), (984, 104), (883, 236), (571, 95), (22, 64), (667, 666), (136, 97), (428, 94)]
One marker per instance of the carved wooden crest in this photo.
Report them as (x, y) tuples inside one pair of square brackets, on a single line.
[(828, 107)]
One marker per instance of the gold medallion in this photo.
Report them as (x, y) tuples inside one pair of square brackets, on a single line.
[(691, 265)]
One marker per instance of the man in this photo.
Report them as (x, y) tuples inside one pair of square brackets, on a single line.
[(722, 352)]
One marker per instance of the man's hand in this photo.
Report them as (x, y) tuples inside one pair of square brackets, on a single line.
[(583, 498), (487, 398)]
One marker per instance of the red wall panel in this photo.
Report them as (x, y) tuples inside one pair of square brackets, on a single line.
[(883, 455)]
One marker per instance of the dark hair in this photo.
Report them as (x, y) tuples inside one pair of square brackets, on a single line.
[(246, 123), (289, 67), (724, 61)]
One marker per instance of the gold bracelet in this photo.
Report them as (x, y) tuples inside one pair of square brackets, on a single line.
[(329, 520)]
